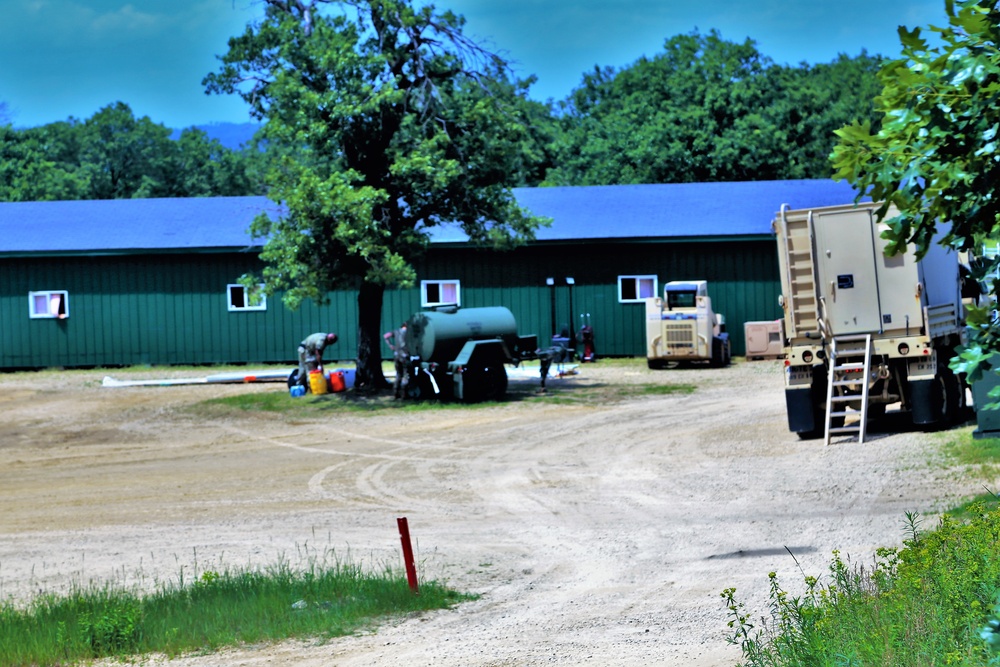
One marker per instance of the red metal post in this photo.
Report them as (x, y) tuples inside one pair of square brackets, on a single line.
[(411, 567)]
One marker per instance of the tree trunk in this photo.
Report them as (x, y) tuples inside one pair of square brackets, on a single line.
[(369, 378)]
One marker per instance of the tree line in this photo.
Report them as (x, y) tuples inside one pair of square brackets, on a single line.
[(114, 155), (703, 109)]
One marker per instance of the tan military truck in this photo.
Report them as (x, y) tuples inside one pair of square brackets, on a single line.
[(864, 330), (681, 326)]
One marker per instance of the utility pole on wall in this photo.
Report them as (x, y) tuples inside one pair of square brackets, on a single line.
[(572, 339), (551, 282)]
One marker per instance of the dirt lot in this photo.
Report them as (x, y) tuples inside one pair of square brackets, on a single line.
[(597, 534)]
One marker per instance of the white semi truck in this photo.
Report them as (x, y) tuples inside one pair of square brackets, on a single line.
[(682, 326), (864, 330)]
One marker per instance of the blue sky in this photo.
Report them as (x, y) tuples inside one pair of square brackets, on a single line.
[(62, 58)]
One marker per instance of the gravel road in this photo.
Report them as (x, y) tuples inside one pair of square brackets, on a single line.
[(596, 532)]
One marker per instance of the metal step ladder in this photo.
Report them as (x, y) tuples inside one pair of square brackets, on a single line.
[(844, 374), (800, 266)]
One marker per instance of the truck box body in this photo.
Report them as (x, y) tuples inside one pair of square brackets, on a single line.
[(837, 280), (838, 283)]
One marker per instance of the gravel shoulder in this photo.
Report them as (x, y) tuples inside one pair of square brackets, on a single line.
[(593, 534)]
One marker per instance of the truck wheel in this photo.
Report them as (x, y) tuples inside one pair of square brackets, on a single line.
[(948, 386), (655, 364), (936, 402), (819, 429), (718, 354)]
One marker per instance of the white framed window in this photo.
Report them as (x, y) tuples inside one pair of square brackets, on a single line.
[(239, 300), (50, 304), (634, 289), (440, 292)]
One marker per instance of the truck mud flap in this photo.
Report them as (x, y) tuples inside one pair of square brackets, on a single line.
[(801, 409), (926, 401)]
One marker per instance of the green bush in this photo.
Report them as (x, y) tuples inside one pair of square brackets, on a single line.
[(929, 603), (116, 629)]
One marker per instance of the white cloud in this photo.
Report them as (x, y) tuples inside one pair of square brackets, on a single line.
[(125, 19)]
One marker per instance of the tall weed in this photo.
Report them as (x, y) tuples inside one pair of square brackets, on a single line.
[(927, 603)]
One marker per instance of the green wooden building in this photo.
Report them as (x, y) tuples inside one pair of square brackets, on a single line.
[(124, 282)]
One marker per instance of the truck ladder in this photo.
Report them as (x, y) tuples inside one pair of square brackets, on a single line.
[(844, 374), (801, 302)]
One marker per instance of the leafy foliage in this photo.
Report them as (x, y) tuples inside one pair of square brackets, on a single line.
[(114, 155), (935, 156), (927, 603), (395, 123), (707, 109)]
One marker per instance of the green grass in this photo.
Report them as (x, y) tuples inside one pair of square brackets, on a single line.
[(969, 451), (924, 604), (281, 402), (932, 602), (572, 390), (976, 458), (216, 610)]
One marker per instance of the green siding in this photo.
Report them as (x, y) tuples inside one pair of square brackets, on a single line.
[(171, 309), (743, 284)]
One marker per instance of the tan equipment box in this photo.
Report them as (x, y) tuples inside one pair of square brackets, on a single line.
[(764, 340)]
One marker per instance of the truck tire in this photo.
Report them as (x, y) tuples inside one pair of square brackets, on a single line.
[(935, 402), (718, 359), (496, 388), (806, 408), (656, 364)]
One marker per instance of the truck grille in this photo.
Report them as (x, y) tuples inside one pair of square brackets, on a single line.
[(679, 336)]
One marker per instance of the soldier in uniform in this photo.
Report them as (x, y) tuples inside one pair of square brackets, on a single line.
[(311, 354), (396, 340)]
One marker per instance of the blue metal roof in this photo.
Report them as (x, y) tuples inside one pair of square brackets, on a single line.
[(673, 210), (129, 225), (666, 210)]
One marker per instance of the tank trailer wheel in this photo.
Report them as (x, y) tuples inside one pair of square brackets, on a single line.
[(484, 383)]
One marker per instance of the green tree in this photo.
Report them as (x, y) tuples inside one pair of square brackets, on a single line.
[(706, 109), (203, 167), (935, 156), (32, 170), (125, 156), (114, 155), (809, 103), (396, 123)]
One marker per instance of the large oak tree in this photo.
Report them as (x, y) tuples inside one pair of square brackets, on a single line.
[(393, 122)]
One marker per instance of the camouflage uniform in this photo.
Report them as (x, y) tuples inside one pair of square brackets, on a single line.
[(311, 356), (396, 340)]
